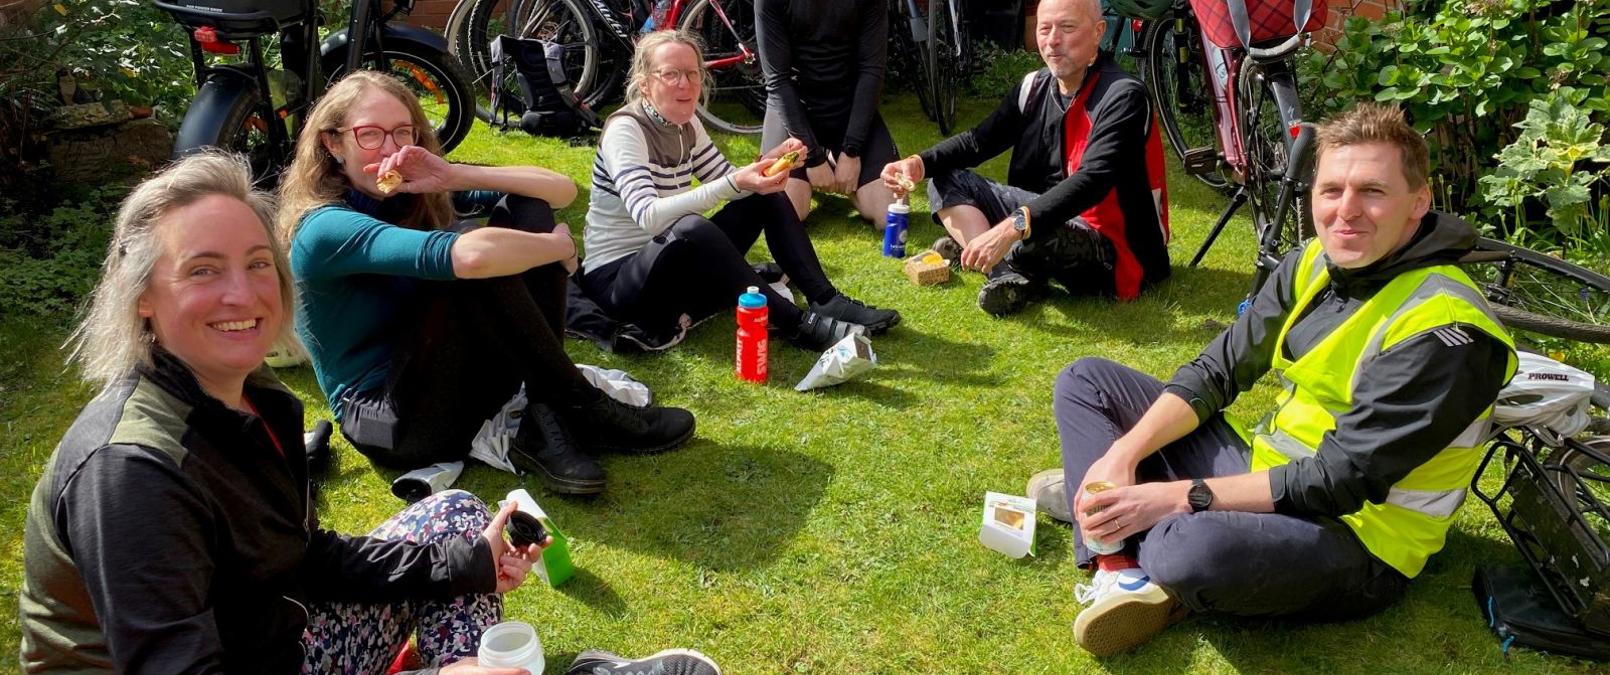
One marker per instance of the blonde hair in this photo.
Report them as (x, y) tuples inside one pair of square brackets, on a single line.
[(1376, 123), (641, 69), (113, 338), (314, 179)]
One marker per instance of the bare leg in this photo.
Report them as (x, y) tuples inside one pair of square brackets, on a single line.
[(799, 194), (964, 222), (873, 200)]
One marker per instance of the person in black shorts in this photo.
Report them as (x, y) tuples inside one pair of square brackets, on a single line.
[(824, 62), (1084, 203)]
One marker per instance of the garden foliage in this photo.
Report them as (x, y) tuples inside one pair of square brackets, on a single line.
[(1512, 96)]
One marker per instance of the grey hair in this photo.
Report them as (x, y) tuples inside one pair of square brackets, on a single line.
[(639, 73), (112, 339)]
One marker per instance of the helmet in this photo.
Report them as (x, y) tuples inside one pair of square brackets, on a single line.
[(1545, 394), (1140, 9)]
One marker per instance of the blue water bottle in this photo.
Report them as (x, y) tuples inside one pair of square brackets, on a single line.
[(894, 230)]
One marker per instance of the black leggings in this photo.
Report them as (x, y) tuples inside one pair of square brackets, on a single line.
[(463, 353), (697, 267)]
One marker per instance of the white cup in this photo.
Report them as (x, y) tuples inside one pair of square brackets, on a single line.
[(512, 644)]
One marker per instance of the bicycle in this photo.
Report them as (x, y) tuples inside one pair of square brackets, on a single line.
[(246, 104), (1554, 498), (1230, 113), (598, 37)]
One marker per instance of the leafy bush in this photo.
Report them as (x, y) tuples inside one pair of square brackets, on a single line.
[(1467, 72), (129, 48), (1553, 161), (53, 259)]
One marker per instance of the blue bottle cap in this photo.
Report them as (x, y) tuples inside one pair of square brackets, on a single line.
[(752, 299)]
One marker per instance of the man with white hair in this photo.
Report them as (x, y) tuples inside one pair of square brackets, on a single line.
[(1084, 204)]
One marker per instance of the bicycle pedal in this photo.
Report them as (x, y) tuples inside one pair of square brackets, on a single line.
[(1199, 161)]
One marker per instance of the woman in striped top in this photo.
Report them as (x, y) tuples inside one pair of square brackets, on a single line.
[(651, 254)]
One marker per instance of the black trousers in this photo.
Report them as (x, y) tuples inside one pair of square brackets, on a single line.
[(461, 355), (1247, 564), (697, 267)]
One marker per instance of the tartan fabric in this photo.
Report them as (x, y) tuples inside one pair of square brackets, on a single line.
[(1269, 19)]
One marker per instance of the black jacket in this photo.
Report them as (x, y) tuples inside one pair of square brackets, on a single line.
[(1410, 402), (169, 535), (823, 60)]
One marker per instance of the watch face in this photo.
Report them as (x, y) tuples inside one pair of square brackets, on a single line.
[(1200, 497), (1019, 221)]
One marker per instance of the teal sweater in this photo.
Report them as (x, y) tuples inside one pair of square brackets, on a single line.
[(358, 275)]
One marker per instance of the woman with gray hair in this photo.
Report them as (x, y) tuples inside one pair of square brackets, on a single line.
[(651, 254), (172, 529)]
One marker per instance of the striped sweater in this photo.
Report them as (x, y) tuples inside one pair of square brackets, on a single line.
[(643, 181)]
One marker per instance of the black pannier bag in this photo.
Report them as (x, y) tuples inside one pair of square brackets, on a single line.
[(547, 105)]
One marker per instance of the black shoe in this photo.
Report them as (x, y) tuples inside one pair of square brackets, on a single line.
[(543, 447), (608, 425), (949, 249), (817, 332), (770, 272), (1008, 292), (668, 662), (841, 307)]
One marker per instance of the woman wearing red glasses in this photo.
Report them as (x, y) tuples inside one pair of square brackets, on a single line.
[(420, 330)]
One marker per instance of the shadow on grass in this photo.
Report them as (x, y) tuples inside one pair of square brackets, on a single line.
[(713, 506), (595, 592), (908, 353), (1210, 290)]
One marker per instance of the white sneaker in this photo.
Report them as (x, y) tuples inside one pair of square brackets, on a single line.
[(1123, 610)]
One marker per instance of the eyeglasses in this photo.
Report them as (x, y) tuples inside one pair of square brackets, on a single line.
[(371, 137), (673, 77)]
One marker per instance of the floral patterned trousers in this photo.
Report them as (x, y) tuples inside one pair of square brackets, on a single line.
[(364, 638)]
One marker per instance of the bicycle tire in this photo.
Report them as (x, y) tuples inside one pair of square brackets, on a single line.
[(456, 31), (1540, 293), (1266, 144), (564, 22), (945, 37), (1583, 479), (442, 87), (736, 102), (910, 37), (242, 131), (1175, 77)]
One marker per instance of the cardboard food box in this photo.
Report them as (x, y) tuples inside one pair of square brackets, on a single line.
[(1008, 524), (927, 268)]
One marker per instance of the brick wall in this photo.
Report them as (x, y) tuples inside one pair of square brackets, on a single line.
[(431, 13), (1341, 9)]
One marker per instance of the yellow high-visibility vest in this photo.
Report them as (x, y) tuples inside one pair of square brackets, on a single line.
[(1412, 523)]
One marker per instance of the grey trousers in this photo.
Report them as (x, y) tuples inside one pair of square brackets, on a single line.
[(1245, 564)]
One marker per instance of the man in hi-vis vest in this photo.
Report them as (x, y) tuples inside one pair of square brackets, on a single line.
[(1390, 361)]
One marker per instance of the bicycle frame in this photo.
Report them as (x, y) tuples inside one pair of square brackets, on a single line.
[(626, 35)]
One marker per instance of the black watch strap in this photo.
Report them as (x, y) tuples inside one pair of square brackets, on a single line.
[(1200, 496)]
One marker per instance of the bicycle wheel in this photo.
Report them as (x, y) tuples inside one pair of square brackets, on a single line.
[(909, 56), (1540, 293), (457, 32), (1268, 110), (736, 102), (945, 38), (563, 22), (443, 89), (1177, 80)]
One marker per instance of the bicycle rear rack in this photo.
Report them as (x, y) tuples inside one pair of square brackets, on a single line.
[(1549, 527)]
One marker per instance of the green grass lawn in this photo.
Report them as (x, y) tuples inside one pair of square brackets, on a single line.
[(836, 531)]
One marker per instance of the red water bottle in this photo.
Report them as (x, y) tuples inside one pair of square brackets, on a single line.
[(752, 336)]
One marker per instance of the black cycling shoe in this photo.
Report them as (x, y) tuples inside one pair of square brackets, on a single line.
[(818, 332), (543, 447), (611, 426), (875, 320), (1008, 293)]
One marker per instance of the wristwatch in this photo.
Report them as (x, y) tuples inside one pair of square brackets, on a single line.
[(1200, 497), (1020, 221)]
